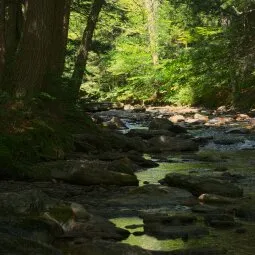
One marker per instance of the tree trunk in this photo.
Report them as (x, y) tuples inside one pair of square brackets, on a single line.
[(12, 27), (151, 7), (2, 39), (56, 61), (31, 60), (82, 56)]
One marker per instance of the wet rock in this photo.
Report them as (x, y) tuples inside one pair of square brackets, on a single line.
[(106, 141), (26, 202), (210, 156), (246, 212), (172, 226), (192, 251), (148, 195), (14, 245), (38, 229), (166, 143), (147, 134), (134, 226), (94, 228), (85, 173), (215, 199), (220, 221), (237, 131), (228, 140), (98, 247), (165, 124), (201, 118), (177, 118), (124, 165), (206, 209), (198, 185), (162, 231), (171, 220), (115, 123)]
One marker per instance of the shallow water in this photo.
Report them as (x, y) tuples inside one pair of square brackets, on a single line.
[(237, 162)]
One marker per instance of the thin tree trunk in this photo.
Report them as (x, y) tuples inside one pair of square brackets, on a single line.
[(2, 39), (151, 7), (32, 56), (82, 56)]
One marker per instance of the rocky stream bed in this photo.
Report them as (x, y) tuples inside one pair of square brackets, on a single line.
[(156, 181)]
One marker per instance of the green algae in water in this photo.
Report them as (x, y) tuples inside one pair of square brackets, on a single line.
[(229, 240), (153, 175), (145, 241)]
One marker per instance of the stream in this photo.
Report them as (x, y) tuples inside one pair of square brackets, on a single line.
[(233, 151), (189, 191)]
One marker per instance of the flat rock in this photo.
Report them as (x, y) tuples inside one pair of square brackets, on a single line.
[(167, 143), (198, 185), (192, 251), (85, 172), (162, 231), (99, 247)]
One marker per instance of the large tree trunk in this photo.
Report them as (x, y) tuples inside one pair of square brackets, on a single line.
[(31, 60), (151, 7), (2, 39), (13, 26), (82, 56), (59, 38)]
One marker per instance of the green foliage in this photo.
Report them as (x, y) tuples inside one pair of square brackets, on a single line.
[(205, 49)]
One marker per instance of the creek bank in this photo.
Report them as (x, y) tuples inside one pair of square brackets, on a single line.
[(31, 218), (106, 156)]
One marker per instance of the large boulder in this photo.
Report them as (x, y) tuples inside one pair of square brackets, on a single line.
[(167, 143), (14, 245), (106, 141), (25, 203), (85, 172), (172, 226), (165, 124), (198, 185), (148, 196)]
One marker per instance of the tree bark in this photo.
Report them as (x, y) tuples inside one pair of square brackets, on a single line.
[(2, 39), (151, 7), (12, 27), (82, 56), (31, 60), (60, 33)]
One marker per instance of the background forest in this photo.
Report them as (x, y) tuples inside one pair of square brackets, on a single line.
[(53, 53), (171, 51)]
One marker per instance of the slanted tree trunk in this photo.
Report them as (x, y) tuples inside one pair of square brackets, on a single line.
[(2, 39), (151, 7), (82, 56), (27, 73)]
